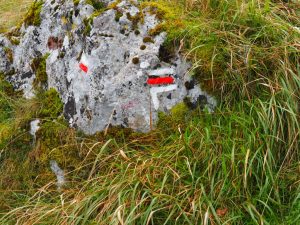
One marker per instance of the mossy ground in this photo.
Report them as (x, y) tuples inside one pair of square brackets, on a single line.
[(238, 165), (38, 66)]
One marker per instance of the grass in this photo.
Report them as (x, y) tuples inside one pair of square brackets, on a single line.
[(11, 12), (238, 165)]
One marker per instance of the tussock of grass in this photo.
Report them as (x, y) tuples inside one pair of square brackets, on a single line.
[(238, 165)]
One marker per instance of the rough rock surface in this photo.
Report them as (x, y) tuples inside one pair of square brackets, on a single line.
[(100, 65)]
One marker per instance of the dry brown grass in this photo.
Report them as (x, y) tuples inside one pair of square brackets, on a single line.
[(11, 12)]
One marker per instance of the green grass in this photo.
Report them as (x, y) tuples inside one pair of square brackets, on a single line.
[(11, 12), (238, 165)]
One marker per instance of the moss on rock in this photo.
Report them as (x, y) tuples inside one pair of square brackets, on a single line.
[(87, 28), (9, 54), (38, 66), (96, 4), (76, 2), (135, 60), (33, 15), (148, 39), (14, 36), (157, 29), (118, 15)]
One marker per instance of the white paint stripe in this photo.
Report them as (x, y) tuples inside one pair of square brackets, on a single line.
[(162, 71), (66, 42), (155, 90), (84, 60)]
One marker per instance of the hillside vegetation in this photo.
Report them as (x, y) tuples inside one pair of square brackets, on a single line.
[(11, 11), (238, 165)]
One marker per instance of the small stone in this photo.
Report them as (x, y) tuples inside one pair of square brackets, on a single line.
[(34, 127), (60, 175)]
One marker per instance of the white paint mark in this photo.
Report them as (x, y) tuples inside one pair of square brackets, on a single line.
[(66, 42), (84, 63), (155, 90), (84, 59), (161, 72), (60, 175)]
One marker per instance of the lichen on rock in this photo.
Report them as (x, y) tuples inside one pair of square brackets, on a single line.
[(99, 56)]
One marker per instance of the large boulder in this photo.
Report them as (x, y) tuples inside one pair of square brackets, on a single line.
[(105, 66)]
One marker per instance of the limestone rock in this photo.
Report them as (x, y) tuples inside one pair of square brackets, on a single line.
[(102, 65)]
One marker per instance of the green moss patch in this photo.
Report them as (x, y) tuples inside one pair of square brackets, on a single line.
[(76, 2), (96, 4), (87, 28), (50, 104), (38, 66), (148, 39), (118, 15)]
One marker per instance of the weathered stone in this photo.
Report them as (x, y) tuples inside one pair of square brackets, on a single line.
[(100, 66)]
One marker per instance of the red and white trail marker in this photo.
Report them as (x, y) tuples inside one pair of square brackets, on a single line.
[(160, 80), (160, 77), (155, 90), (83, 64)]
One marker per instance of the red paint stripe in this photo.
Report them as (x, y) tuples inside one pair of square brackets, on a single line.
[(160, 80), (83, 67)]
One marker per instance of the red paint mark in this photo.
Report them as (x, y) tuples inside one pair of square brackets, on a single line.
[(83, 67), (160, 80)]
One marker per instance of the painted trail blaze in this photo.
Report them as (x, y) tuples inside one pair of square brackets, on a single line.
[(160, 80), (83, 67), (162, 76), (84, 62)]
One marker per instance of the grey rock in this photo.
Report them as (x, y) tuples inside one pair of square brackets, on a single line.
[(5, 62), (114, 90), (34, 127), (60, 175)]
